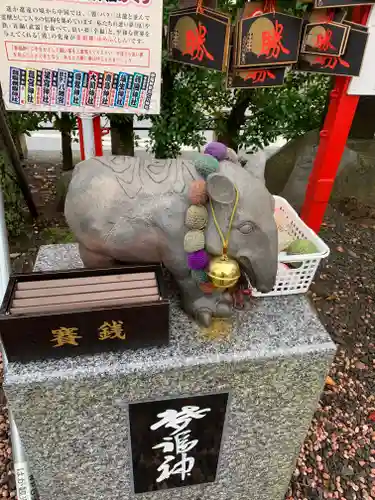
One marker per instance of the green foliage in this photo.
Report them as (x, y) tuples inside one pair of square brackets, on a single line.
[(56, 235), (195, 99), (25, 122), (64, 122), (289, 111), (183, 114), (199, 100), (13, 199), (301, 103)]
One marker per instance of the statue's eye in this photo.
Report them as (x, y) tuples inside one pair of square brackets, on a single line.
[(246, 227)]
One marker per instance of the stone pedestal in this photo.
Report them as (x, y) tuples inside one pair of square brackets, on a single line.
[(73, 414)]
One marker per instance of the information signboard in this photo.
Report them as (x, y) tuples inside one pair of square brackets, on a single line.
[(81, 55), (364, 84)]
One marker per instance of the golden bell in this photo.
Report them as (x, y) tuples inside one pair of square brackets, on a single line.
[(224, 272)]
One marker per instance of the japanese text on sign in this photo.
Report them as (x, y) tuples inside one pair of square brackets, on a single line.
[(70, 336), (176, 443), (179, 442), (93, 49)]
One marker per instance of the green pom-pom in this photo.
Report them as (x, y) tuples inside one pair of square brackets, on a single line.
[(301, 247), (206, 165), (200, 276)]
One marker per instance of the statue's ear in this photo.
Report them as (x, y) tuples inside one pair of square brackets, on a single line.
[(255, 163), (221, 189)]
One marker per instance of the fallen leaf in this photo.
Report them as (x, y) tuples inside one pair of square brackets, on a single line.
[(330, 381), (340, 249), (331, 297), (347, 471), (353, 254), (360, 365), (372, 416)]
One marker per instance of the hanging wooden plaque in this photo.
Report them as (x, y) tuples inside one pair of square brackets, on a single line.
[(268, 39), (324, 38), (323, 4), (187, 4), (349, 64), (356, 26), (199, 39), (217, 14), (327, 15), (249, 9), (256, 77)]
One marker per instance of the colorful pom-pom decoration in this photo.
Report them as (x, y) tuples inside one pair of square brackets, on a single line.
[(198, 260), (207, 288), (194, 241), (196, 217), (200, 276), (198, 192), (216, 149), (206, 165)]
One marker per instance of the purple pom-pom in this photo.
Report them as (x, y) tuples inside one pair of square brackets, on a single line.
[(216, 149), (197, 260)]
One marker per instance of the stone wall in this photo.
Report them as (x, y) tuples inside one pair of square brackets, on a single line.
[(288, 171)]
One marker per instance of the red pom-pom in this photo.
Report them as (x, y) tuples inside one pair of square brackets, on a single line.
[(197, 192)]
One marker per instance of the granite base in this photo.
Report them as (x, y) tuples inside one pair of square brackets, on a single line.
[(72, 414)]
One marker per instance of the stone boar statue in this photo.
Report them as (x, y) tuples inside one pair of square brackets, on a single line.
[(133, 210)]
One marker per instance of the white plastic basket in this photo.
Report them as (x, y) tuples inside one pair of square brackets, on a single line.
[(296, 280)]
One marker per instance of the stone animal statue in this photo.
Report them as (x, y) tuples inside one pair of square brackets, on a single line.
[(132, 210)]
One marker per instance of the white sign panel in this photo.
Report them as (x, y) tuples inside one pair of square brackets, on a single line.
[(97, 56), (364, 84)]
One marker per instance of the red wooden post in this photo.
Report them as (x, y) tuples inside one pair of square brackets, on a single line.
[(333, 138), (80, 138), (98, 136), (332, 143)]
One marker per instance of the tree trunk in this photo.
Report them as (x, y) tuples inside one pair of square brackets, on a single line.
[(122, 136), (14, 158), (229, 137), (17, 143), (65, 126), (236, 118), (66, 147)]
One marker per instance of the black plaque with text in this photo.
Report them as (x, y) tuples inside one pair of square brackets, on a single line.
[(322, 4), (176, 442)]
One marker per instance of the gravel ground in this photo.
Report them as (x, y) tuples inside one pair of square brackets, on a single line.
[(337, 459), (7, 481)]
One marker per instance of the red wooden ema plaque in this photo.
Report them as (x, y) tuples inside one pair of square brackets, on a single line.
[(268, 39), (349, 64), (256, 77), (199, 39), (324, 39), (322, 4), (327, 15), (53, 315)]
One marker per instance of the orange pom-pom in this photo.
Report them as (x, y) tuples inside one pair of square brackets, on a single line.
[(207, 288), (197, 192)]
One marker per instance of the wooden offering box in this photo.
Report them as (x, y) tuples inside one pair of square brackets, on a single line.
[(65, 313)]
